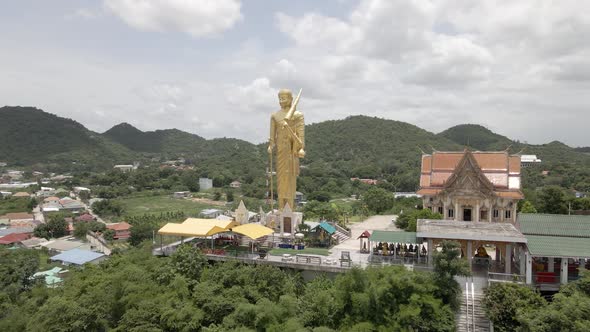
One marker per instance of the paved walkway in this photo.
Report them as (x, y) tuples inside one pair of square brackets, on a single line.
[(353, 245)]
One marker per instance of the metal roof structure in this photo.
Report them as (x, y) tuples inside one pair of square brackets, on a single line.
[(327, 227), (197, 227), (77, 256), (554, 225), (467, 230), (393, 237), (556, 246)]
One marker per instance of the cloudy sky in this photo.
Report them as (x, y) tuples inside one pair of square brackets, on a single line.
[(213, 67)]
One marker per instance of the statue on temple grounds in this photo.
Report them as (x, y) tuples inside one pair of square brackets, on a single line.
[(287, 134)]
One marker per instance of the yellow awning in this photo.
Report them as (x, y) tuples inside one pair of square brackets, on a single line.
[(253, 231), (225, 224), (197, 227)]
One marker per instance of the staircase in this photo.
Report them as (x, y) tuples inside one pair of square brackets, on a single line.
[(341, 234), (471, 317)]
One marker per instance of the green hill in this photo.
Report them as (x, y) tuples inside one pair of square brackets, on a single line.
[(481, 138), (476, 137), (358, 146), (159, 141), (30, 136)]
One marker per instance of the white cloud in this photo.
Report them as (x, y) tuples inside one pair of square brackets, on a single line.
[(196, 17)]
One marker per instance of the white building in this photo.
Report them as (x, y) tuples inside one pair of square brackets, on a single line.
[(529, 160), (205, 183), (124, 168)]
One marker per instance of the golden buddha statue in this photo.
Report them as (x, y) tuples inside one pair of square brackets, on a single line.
[(287, 134)]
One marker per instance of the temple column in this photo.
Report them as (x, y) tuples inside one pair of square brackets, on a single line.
[(563, 278), (551, 264), (529, 268), (490, 214), (430, 251), (476, 219), (457, 212), (501, 215), (522, 261), (445, 211), (514, 211), (470, 253), (508, 262)]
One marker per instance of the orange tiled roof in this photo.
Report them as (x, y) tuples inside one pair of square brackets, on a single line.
[(428, 191), (122, 226), (498, 168), (21, 194), (510, 194)]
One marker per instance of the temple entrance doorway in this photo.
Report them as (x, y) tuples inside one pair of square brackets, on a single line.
[(466, 214), (287, 225)]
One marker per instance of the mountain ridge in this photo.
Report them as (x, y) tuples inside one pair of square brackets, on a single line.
[(349, 145)]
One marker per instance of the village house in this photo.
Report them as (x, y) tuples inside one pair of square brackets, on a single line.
[(122, 230), (235, 184), (22, 194)]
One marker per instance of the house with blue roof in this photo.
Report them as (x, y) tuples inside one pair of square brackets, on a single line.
[(79, 257)]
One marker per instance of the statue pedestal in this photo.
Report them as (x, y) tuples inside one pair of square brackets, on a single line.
[(285, 223)]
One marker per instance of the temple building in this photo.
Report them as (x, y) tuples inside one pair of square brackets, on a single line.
[(471, 186)]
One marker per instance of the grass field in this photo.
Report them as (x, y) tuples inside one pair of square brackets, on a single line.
[(306, 251), (139, 205)]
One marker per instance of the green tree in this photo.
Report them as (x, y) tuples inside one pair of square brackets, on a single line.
[(55, 227), (229, 196), (552, 200), (447, 265), (141, 232), (320, 196), (505, 302), (528, 207), (408, 220), (108, 235), (188, 261), (190, 179), (378, 200)]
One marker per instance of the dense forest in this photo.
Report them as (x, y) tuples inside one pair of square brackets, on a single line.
[(136, 291)]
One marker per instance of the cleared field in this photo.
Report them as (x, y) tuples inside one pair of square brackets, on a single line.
[(134, 206)]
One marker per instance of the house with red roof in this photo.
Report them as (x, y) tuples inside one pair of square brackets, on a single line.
[(122, 230), (14, 238)]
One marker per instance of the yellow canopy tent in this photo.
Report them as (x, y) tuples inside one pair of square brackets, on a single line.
[(253, 231), (197, 227)]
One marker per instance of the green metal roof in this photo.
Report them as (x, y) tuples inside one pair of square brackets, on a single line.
[(555, 246), (393, 237), (554, 225), (327, 227)]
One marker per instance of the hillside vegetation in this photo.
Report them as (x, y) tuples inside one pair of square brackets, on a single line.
[(358, 146)]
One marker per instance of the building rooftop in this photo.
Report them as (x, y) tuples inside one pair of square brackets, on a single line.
[(554, 225), (77, 256), (64, 245), (467, 230), (557, 246), (499, 168)]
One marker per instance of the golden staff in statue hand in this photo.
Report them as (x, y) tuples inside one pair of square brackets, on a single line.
[(301, 152)]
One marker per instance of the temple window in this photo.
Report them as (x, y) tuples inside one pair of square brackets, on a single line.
[(451, 213), (496, 213), (508, 214), (440, 210)]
